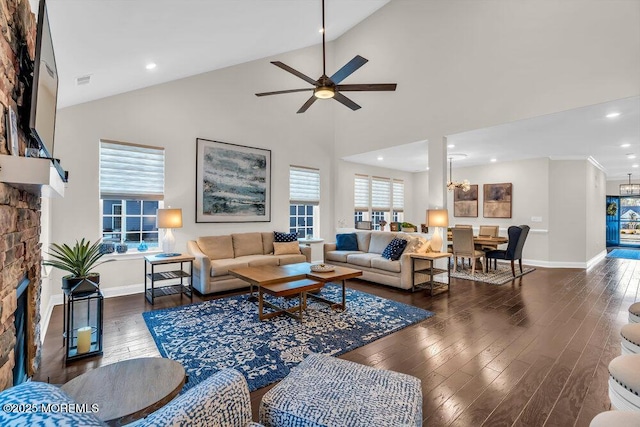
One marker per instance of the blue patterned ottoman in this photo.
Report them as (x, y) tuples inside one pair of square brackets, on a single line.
[(325, 391)]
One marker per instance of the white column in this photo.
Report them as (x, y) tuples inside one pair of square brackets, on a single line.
[(438, 177)]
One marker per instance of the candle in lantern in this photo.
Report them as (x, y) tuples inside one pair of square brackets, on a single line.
[(84, 339)]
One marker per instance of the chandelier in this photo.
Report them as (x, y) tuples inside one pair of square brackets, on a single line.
[(465, 185), (629, 189)]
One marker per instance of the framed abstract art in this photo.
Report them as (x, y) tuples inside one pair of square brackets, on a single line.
[(233, 182)]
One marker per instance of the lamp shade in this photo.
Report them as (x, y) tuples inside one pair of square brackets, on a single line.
[(437, 218), (169, 218)]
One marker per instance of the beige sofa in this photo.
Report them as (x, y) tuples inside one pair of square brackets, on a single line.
[(369, 259), (215, 255)]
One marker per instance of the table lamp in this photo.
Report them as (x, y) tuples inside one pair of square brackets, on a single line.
[(437, 218), (168, 219)]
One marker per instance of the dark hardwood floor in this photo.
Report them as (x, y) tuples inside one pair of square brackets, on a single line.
[(529, 353)]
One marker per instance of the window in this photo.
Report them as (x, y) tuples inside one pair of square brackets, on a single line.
[(378, 198), (131, 191), (304, 201)]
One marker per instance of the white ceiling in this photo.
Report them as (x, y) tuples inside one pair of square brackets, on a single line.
[(113, 40), (574, 134)]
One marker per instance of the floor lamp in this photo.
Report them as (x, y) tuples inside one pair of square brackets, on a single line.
[(169, 219), (437, 218)]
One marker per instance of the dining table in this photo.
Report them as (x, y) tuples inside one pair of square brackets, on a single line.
[(486, 241)]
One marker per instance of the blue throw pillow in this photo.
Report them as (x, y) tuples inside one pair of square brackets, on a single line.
[(394, 249), (284, 237), (347, 242)]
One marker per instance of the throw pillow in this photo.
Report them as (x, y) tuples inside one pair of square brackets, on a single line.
[(284, 237), (347, 242), (286, 248), (394, 249), (414, 244), (426, 248)]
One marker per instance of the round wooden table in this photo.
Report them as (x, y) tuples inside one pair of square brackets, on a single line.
[(129, 390)]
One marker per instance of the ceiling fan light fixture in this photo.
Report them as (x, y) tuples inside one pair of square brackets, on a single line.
[(324, 92)]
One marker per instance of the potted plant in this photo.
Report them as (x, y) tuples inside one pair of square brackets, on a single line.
[(408, 227), (79, 260)]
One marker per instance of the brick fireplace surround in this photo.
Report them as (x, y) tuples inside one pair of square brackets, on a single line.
[(20, 249)]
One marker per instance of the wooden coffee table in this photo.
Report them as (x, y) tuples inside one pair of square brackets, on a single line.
[(129, 390), (296, 287), (271, 274)]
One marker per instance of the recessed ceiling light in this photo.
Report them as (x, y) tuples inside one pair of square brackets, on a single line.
[(427, 167), (634, 166), (380, 158), (625, 145), (631, 156), (451, 146), (151, 66), (321, 30), (494, 160), (612, 115)]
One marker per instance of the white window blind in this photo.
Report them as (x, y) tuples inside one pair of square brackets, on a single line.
[(361, 193), (398, 196), (304, 185), (380, 194), (130, 171)]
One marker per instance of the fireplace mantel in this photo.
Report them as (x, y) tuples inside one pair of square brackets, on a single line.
[(31, 174)]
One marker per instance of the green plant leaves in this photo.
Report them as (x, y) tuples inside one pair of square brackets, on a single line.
[(79, 259)]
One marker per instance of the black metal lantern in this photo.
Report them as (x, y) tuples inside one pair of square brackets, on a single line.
[(83, 320)]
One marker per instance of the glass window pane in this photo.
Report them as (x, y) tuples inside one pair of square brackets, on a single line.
[(150, 238), (301, 221), (310, 221), (292, 221), (300, 209), (133, 223), (133, 207), (149, 223), (309, 209), (132, 238), (292, 209), (149, 207)]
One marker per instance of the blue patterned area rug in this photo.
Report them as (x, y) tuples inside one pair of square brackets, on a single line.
[(226, 333), (624, 253)]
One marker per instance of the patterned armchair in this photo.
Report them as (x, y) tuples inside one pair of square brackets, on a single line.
[(220, 400)]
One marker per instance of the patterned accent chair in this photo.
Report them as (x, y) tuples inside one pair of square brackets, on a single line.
[(330, 392), (220, 400)]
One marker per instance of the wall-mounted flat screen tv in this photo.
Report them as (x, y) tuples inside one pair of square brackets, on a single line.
[(44, 94)]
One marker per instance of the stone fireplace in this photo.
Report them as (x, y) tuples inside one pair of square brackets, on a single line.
[(20, 248)]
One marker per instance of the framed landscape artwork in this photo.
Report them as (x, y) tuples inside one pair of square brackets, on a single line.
[(465, 203), (497, 200), (233, 182)]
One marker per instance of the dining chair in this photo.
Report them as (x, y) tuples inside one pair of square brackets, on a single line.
[(517, 237), (464, 247), (489, 230)]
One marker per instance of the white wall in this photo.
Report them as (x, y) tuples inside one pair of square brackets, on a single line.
[(596, 202), (568, 203), (530, 198), (221, 106), (463, 65), (420, 196)]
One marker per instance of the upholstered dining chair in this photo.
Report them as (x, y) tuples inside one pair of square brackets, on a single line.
[(464, 247), (517, 237), (489, 230)]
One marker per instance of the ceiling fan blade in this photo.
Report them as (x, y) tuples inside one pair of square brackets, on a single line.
[(346, 101), (307, 104), (278, 92), (294, 72), (367, 87), (351, 66)]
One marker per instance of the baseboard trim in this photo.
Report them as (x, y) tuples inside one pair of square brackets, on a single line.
[(57, 299), (567, 264)]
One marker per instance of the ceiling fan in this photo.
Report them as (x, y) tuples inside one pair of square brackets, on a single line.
[(330, 87)]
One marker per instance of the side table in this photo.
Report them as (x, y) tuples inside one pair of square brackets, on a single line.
[(128, 390), (152, 261), (431, 271)]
